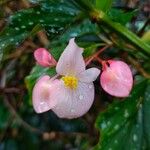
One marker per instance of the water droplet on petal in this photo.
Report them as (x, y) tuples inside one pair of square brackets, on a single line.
[(81, 97), (90, 86), (42, 106), (41, 103), (72, 110)]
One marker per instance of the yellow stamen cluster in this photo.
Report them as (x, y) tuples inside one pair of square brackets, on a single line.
[(70, 81)]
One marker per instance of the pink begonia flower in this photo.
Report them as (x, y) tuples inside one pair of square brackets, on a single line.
[(116, 79), (44, 58), (72, 95)]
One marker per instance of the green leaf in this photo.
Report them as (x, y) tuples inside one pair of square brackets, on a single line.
[(121, 16), (103, 5), (103, 20), (4, 116), (122, 125), (75, 31), (53, 16), (146, 115), (88, 39), (90, 42), (146, 37)]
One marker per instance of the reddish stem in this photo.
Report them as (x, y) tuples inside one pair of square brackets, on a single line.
[(88, 60), (102, 62), (99, 60)]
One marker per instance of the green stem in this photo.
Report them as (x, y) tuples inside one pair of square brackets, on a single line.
[(103, 20), (125, 33)]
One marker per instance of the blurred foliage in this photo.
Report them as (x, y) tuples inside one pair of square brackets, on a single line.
[(28, 24)]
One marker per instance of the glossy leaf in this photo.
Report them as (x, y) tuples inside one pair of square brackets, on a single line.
[(4, 116), (103, 20), (123, 125), (103, 5), (121, 16), (53, 16)]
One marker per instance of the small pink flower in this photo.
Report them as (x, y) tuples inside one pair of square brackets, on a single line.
[(42, 92), (116, 79), (44, 58), (72, 95)]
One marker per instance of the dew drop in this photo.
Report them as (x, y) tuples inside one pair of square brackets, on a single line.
[(56, 19), (3, 45), (11, 40), (135, 137), (52, 30), (116, 142), (126, 114), (23, 27), (41, 21), (38, 12), (81, 97), (108, 123), (30, 23), (116, 127), (41, 103), (16, 28), (116, 108), (72, 110), (90, 86), (103, 125), (42, 106)]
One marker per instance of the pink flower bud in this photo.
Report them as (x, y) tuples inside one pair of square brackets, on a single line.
[(44, 58), (116, 79)]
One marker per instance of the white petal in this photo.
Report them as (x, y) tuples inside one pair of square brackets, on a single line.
[(74, 103), (71, 61), (89, 75), (41, 96)]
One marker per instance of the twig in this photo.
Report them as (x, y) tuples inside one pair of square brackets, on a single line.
[(139, 67), (33, 129), (10, 90), (20, 120), (88, 60), (99, 60)]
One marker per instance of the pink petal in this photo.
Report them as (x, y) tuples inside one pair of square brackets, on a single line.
[(74, 103), (44, 58), (71, 61), (89, 75), (117, 79), (41, 96)]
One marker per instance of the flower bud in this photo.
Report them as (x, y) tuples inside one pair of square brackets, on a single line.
[(44, 58), (116, 78)]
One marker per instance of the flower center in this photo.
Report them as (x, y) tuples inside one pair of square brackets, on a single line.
[(70, 81)]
